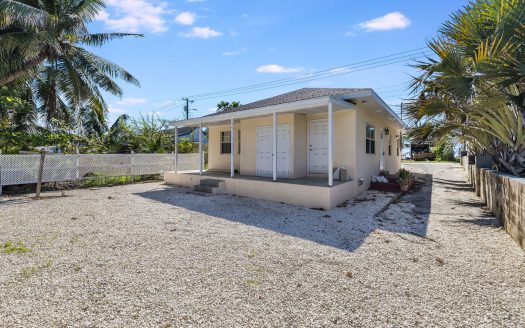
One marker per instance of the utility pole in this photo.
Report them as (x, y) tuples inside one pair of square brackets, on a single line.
[(187, 107), (401, 144)]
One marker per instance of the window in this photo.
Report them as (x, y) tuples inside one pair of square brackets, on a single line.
[(239, 141), (398, 146), (370, 139), (226, 142), (390, 145)]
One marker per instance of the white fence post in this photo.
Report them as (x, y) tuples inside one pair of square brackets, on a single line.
[(77, 171), (132, 171), (40, 172)]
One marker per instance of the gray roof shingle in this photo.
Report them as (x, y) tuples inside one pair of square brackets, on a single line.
[(297, 95)]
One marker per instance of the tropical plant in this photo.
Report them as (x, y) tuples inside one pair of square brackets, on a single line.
[(42, 42), (443, 150), (16, 110), (472, 88), (222, 105), (403, 178), (187, 146), (151, 134)]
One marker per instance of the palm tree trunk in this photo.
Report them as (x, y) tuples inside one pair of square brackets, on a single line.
[(24, 68)]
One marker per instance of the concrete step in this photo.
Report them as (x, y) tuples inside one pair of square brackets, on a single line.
[(210, 182), (206, 189)]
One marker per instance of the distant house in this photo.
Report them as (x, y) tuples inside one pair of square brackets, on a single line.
[(314, 147)]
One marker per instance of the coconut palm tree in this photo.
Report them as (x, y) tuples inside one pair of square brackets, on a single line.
[(473, 86), (43, 40)]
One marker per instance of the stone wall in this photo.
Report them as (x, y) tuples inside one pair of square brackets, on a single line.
[(505, 197)]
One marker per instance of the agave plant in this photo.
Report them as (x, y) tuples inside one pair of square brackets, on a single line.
[(42, 40)]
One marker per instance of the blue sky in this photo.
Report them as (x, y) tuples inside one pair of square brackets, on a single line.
[(199, 46)]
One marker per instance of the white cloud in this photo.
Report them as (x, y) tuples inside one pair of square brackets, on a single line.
[(134, 16), (234, 53), (273, 68), (350, 34), (131, 101), (186, 18), (390, 21), (244, 15), (115, 110), (202, 32)]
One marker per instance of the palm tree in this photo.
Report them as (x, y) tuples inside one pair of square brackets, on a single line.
[(43, 40), (221, 106), (473, 86)]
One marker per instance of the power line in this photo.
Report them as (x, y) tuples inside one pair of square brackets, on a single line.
[(373, 63), (328, 72), (306, 79)]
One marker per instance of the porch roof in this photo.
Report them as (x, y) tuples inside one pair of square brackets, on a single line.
[(306, 100)]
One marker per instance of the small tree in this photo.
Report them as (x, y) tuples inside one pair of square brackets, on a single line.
[(443, 150)]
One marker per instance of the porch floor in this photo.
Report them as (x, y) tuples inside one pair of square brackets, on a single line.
[(305, 181)]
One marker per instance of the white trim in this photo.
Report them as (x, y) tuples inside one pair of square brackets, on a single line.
[(293, 106), (382, 150), (274, 146), (201, 157), (262, 111), (232, 148), (388, 109)]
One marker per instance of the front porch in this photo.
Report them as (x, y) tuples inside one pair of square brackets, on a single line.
[(284, 141), (309, 192)]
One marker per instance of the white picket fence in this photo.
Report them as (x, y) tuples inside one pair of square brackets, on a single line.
[(22, 169)]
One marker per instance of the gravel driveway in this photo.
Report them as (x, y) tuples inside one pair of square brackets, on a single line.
[(149, 255)]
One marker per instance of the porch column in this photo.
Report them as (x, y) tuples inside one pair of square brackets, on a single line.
[(176, 149), (330, 144), (274, 142), (232, 148), (201, 159)]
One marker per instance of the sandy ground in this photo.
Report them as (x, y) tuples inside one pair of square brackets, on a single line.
[(149, 255)]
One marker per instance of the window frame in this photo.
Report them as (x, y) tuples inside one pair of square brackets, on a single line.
[(222, 142), (370, 139)]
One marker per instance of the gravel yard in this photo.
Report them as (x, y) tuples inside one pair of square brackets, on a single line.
[(149, 255)]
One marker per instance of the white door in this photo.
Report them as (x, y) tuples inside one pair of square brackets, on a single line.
[(264, 162), (318, 146), (382, 152)]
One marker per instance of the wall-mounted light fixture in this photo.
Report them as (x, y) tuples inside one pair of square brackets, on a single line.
[(387, 132)]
